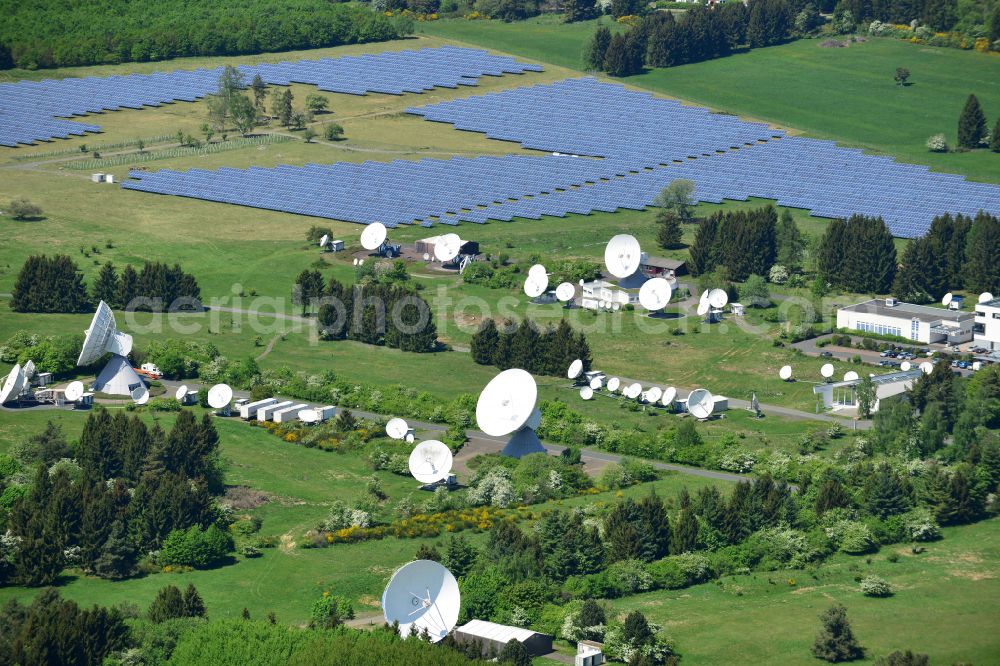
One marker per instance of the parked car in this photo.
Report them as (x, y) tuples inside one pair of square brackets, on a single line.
[(826, 354)]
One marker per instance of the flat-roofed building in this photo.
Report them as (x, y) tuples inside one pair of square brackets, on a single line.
[(493, 637), (986, 326), (920, 323), (841, 395)]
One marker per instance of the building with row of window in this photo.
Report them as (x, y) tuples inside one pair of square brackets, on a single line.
[(919, 323), (986, 325)]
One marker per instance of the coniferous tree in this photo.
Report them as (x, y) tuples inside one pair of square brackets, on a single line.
[(127, 287), (920, 278), (484, 342), (168, 604), (885, 492), (654, 529), (701, 257), (118, 556), (669, 230), (835, 641), (106, 285), (284, 108), (972, 122), (995, 136), (502, 357), (524, 346), (789, 241), (514, 653), (615, 57), (685, 537), (620, 534), (940, 15), (579, 10), (193, 604), (597, 49), (49, 285), (982, 270)]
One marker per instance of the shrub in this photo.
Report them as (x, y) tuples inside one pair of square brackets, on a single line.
[(937, 144), (778, 274), (851, 537), (873, 586), (333, 132), (22, 209), (196, 547), (330, 610)]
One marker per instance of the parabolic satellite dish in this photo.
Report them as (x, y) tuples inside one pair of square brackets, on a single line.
[(947, 298), (181, 392), (447, 247), (565, 292), (13, 384), (140, 395), (622, 255), (597, 382), (850, 376), (655, 294), (785, 373), (220, 396), (355, 261), (506, 403), (536, 270), (704, 296), (422, 595), (718, 298), (586, 393), (536, 284), (324, 240), (575, 368), (373, 236), (703, 308), (927, 367), (654, 394), (700, 403), (397, 428), (826, 370), (985, 296), (103, 336), (905, 365), (668, 396), (430, 461), (613, 384), (28, 370), (633, 391), (74, 391)]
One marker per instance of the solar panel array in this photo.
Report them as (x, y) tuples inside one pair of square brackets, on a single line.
[(32, 110), (612, 148)]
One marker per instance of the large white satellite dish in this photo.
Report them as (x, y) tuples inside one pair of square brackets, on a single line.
[(613, 384), (535, 285), (140, 395), (826, 370), (430, 461), (373, 236), (622, 255), (703, 308), (28, 370), (718, 298), (785, 373), (947, 298), (181, 393), (103, 336), (537, 270), (397, 428), (654, 394), (704, 296), (447, 247), (13, 384), (850, 376), (586, 393), (575, 368), (74, 391), (324, 240), (597, 382), (985, 297), (668, 396), (633, 391), (927, 367), (565, 292), (655, 294), (700, 403), (506, 403), (219, 396), (422, 595), (905, 365)]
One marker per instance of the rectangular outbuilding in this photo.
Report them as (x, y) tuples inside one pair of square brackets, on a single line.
[(493, 637), (920, 323)]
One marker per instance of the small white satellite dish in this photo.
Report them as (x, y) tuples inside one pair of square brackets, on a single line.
[(220, 396), (427, 257), (409, 438), (613, 384), (324, 240), (430, 461), (633, 391), (355, 261), (700, 403), (565, 292), (181, 393), (397, 428), (28, 370), (850, 376), (603, 305), (140, 395), (535, 285), (586, 393), (947, 298), (447, 247), (74, 391), (668, 396), (985, 297), (905, 365), (622, 255), (537, 269), (654, 394), (422, 595), (826, 370), (927, 367), (575, 368), (596, 383), (615, 307), (655, 294), (785, 373), (703, 308), (13, 384), (103, 336), (718, 298), (373, 236), (506, 403)]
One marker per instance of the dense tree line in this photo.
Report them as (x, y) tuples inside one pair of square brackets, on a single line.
[(57, 33), (119, 493), (858, 254), (49, 285), (542, 352), (939, 15), (956, 252), (744, 242)]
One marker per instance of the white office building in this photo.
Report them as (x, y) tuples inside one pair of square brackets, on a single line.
[(920, 323), (986, 327)]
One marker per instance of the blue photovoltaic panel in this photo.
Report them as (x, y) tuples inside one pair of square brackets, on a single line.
[(33, 110), (612, 148)]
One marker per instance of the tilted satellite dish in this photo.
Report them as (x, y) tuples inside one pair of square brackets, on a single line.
[(535, 285), (13, 384), (506, 403), (613, 384), (718, 298), (703, 308), (397, 428), (565, 292), (654, 394), (409, 438), (927, 367), (668, 396), (324, 240), (140, 395), (103, 336), (422, 595), (615, 307), (447, 247), (536, 270), (220, 396), (700, 403), (430, 461), (575, 368), (985, 297), (622, 255), (355, 261), (28, 370), (850, 376), (427, 257), (633, 391), (947, 298), (181, 392), (905, 365), (586, 393), (826, 370), (655, 294), (373, 236), (704, 296), (74, 391), (785, 373), (597, 383)]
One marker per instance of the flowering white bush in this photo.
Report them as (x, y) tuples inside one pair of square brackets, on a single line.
[(921, 526), (877, 28), (740, 462), (937, 144), (495, 489), (851, 537), (694, 566), (873, 586), (555, 479), (341, 517), (630, 577), (778, 274)]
